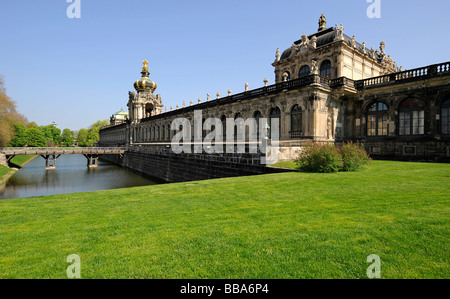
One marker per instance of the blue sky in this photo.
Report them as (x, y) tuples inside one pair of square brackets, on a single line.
[(77, 71)]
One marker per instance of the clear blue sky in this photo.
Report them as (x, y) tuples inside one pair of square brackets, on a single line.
[(78, 71)]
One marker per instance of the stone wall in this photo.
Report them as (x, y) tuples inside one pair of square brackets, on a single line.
[(3, 160), (165, 166)]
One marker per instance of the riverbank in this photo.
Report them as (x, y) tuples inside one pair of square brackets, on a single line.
[(290, 225), (19, 161)]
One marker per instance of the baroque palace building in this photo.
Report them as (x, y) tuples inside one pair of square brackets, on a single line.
[(329, 88)]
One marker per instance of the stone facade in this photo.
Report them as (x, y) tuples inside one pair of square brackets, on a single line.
[(329, 88)]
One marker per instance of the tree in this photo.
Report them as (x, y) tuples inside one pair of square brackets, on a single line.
[(88, 138), (82, 137), (35, 138), (8, 116), (52, 134), (67, 137), (20, 136)]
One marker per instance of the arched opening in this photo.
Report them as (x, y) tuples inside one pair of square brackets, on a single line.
[(304, 71), (275, 118), (296, 122), (377, 119), (148, 110), (257, 116), (325, 69), (412, 117), (445, 118)]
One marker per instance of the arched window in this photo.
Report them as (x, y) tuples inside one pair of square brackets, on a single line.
[(257, 116), (304, 71), (224, 127), (412, 117), (275, 117), (445, 111), (325, 69), (286, 76), (377, 120), (238, 115), (168, 132), (296, 121)]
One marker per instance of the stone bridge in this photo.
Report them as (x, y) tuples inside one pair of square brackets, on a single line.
[(52, 154)]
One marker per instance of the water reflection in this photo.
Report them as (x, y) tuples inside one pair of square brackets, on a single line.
[(70, 176)]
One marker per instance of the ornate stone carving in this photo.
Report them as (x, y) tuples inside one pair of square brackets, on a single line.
[(353, 41), (339, 33), (277, 55), (314, 68)]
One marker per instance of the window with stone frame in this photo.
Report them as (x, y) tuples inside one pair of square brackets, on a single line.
[(304, 71), (168, 132), (325, 69), (275, 116), (296, 121), (445, 118), (412, 117), (257, 116), (377, 120), (224, 127)]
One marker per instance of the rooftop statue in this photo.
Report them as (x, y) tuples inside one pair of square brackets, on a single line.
[(145, 67), (322, 23)]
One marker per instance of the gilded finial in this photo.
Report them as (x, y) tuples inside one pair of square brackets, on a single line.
[(322, 23), (145, 67)]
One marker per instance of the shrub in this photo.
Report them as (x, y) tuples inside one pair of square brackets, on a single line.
[(354, 156), (324, 158)]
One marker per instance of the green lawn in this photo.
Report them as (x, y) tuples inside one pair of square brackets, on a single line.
[(20, 160), (290, 225), (3, 170)]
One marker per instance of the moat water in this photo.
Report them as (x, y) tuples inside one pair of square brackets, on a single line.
[(70, 176)]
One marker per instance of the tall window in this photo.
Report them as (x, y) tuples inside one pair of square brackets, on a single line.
[(224, 127), (412, 117), (168, 132), (325, 69), (275, 116), (257, 115), (446, 118), (304, 71), (377, 120), (238, 115), (296, 119)]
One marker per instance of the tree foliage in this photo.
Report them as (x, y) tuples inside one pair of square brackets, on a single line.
[(88, 138), (8, 116)]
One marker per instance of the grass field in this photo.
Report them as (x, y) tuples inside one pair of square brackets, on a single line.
[(3, 170), (290, 225), (21, 160)]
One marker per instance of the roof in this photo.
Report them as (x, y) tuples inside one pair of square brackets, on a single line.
[(327, 37)]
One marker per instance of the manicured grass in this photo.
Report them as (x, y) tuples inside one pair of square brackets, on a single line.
[(21, 160), (3, 170), (290, 225), (286, 164)]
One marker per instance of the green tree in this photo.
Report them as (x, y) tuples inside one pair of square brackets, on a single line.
[(35, 138), (20, 136), (67, 137), (32, 125), (8, 116), (82, 137), (90, 137)]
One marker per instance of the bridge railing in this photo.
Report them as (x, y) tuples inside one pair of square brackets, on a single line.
[(59, 150)]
